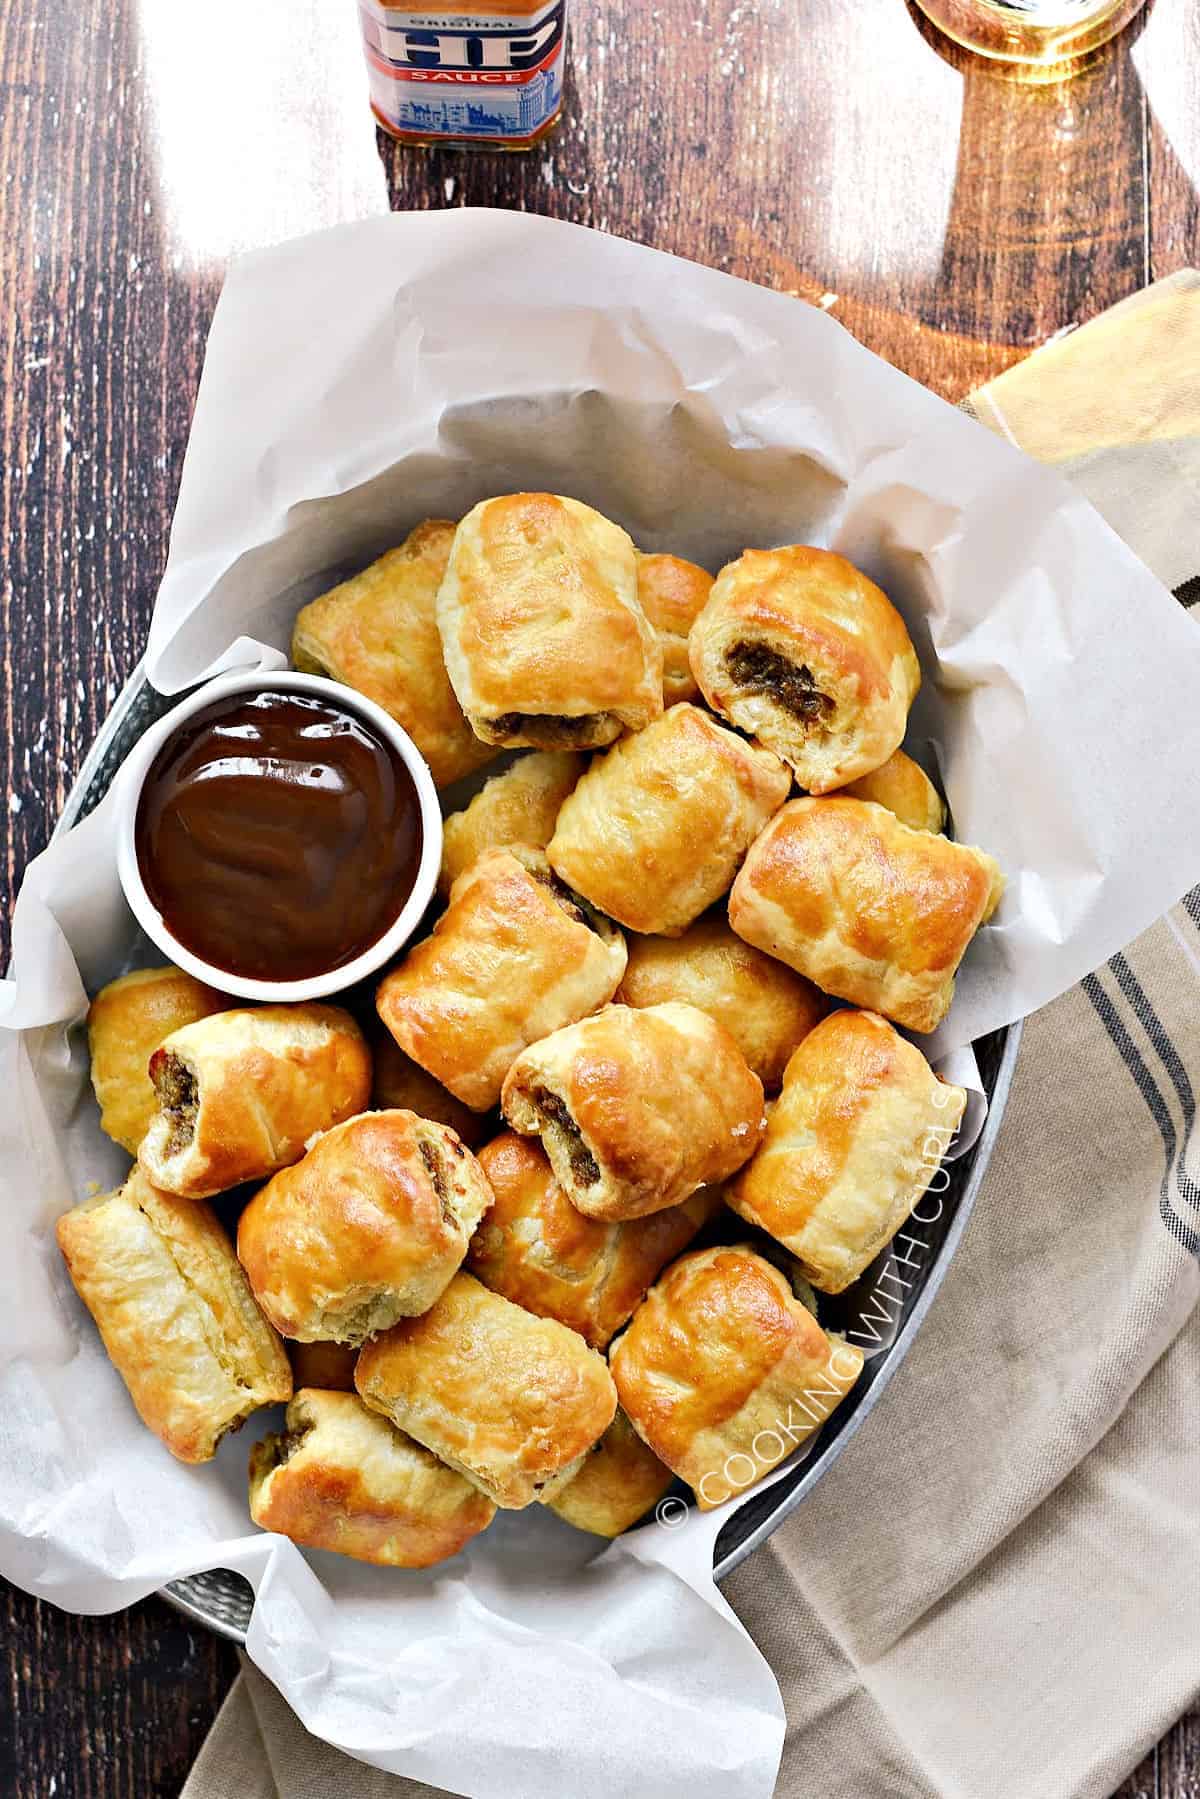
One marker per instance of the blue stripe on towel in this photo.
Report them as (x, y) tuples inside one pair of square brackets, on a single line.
[(1148, 1088)]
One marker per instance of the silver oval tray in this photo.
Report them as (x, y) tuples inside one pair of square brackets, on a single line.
[(221, 1600)]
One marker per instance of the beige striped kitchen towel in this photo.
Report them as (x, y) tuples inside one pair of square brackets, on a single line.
[(995, 1592)]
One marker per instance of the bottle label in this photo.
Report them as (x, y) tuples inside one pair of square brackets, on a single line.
[(445, 73)]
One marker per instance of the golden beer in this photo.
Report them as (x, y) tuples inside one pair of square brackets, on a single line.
[(1030, 31)]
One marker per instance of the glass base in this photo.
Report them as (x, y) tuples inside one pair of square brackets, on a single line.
[(1030, 31)]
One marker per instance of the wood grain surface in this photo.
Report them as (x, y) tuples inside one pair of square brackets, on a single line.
[(951, 217)]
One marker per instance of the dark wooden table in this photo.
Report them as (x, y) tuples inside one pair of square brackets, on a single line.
[(952, 218)]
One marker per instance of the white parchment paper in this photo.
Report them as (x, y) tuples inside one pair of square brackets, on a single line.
[(357, 382)]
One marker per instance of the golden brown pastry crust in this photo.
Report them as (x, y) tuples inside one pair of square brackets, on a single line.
[(656, 829), (766, 1008), (175, 1312), (126, 1022), (673, 594), (366, 1229), (510, 961), (798, 648), (539, 1251), (723, 1371), (620, 1480), (637, 1109), (327, 1366), (857, 1135), (340, 1477), (378, 633), (904, 788), (241, 1092), (544, 637), (511, 1401), (871, 911), (519, 805), (402, 1085)]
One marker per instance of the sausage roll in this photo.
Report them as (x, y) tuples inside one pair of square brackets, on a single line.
[(765, 1007), (341, 1477), (543, 633), (240, 1093), (159, 1276), (619, 1481), (798, 648), (870, 910), (329, 1366), (402, 1085), (126, 1022), (536, 1249), (904, 788), (519, 805), (378, 634), (637, 1109), (673, 593), (511, 1401), (657, 827), (516, 956), (723, 1371), (851, 1146), (368, 1228)]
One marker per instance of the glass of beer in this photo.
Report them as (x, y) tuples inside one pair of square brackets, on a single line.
[(1030, 31)]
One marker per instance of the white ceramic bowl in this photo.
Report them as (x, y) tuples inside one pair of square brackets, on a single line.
[(132, 776)]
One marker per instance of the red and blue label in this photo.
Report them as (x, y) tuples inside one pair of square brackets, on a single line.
[(449, 74)]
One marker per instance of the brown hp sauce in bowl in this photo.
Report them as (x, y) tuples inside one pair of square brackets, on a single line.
[(278, 835)]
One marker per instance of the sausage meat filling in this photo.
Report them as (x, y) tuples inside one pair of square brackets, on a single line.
[(551, 728), (179, 1096), (758, 669), (584, 1167), (436, 1170)]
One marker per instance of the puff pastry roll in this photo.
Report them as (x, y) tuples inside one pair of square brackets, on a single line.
[(368, 1228), (766, 1008), (329, 1366), (673, 594), (515, 957), (378, 633), (852, 1144), (723, 1371), (619, 1482), (511, 1401), (655, 830), (341, 1477), (126, 1022), (519, 805), (544, 636), (240, 1093), (904, 788), (798, 648), (539, 1251), (159, 1276), (402, 1085), (637, 1109), (870, 910)]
